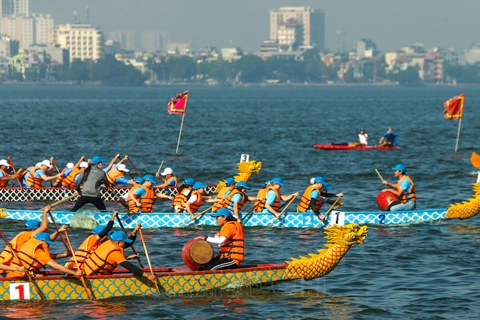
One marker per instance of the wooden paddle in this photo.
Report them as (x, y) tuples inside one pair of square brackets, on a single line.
[(251, 211), (133, 166), (10, 161), (285, 208), (64, 200), (198, 216), (159, 168), (379, 175), (30, 277), (133, 249), (148, 259), (328, 211)]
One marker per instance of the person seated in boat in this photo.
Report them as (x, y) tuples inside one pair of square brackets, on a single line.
[(66, 171), (222, 195), (261, 197), (91, 179), (32, 228), (98, 235), (71, 179), (116, 175), (38, 174), (110, 254), (389, 138), (315, 196), (362, 138), (183, 194), (35, 254), (124, 199), (272, 204), (230, 239), (196, 199), (4, 177), (141, 200), (237, 198), (170, 181), (404, 189)]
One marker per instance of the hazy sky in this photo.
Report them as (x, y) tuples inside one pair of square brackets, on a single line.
[(391, 24)]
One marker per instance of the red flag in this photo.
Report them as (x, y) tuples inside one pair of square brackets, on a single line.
[(178, 104), (454, 107)]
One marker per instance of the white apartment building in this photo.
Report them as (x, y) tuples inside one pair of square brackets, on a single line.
[(285, 20), (14, 7), (82, 40), (20, 28), (154, 41), (43, 24), (125, 38)]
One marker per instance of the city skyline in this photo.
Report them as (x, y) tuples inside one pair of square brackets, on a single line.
[(390, 24)]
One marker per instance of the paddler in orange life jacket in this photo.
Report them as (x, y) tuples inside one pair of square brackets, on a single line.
[(38, 174), (183, 194), (315, 196), (272, 204), (261, 197), (222, 195), (70, 180), (116, 175), (237, 198), (110, 254), (141, 200), (98, 235), (66, 171), (197, 198), (4, 177), (404, 189), (230, 239), (124, 199), (35, 254), (170, 181)]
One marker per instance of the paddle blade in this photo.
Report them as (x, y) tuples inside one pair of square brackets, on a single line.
[(475, 160)]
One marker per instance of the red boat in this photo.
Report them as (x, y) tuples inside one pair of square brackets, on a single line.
[(350, 146)]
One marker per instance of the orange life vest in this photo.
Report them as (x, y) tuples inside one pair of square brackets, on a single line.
[(113, 175), (17, 242), (260, 204), (181, 199), (170, 179), (228, 202), (132, 206), (195, 205), (146, 201), (27, 255), (304, 204), (33, 182), (98, 262), (221, 195), (3, 183), (84, 251), (69, 180), (408, 196), (276, 204), (234, 248)]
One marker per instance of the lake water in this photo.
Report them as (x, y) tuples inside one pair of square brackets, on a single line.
[(416, 272)]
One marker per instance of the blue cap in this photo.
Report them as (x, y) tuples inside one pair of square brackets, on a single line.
[(319, 179), (43, 236), (222, 212), (243, 184), (150, 178), (326, 186), (120, 236), (98, 159), (229, 181), (199, 185), (400, 167), (189, 181), (32, 224), (98, 229), (278, 181), (267, 182), (139, 180)]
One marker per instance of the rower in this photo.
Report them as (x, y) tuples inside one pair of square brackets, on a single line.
[(38, 174), (315, 196), (261, 197), (272, 204), (184, 193), (4, 177), (170, 181), (223, 193), (141, 200)]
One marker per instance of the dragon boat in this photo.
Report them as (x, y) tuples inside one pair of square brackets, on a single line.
[(352, 146), (182, 280)]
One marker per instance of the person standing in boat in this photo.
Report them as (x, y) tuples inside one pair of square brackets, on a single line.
[(231, 240), (142, 199), (272, 204), (91, 179), (4, 177), (315, 196), (110, 254), (404, 189), (389, 138)]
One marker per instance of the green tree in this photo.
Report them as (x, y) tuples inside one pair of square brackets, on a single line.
[(315, 70), (112, 72), (408, 76), (251, 68), (78, 71), (219, 69)]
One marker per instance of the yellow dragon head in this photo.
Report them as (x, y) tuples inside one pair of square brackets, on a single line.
[(245, 171), (340, 239)]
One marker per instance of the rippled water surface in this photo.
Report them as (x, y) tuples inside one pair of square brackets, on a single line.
[(416, 272)]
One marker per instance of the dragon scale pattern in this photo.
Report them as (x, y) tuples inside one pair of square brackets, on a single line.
[(466, 209)]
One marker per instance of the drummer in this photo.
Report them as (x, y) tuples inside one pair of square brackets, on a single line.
[(230, 239), (404, 189)]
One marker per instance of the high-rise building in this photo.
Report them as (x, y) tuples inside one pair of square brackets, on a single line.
[(295, 26), (83, 41), (16, 7), (154, 41), (27, 29), (125, 38)]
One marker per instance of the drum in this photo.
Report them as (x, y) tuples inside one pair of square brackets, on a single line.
[(197, 253), (387, 199)]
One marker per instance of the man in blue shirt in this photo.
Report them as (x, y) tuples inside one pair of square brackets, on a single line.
[(389, 138)]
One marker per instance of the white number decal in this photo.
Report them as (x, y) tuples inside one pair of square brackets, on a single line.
[(20, 291), (245, 158)]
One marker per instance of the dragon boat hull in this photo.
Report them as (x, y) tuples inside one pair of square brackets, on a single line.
[(352, 147), (288, 219)]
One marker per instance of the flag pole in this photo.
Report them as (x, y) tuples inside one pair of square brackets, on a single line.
[(180, 134), (458, 134)]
